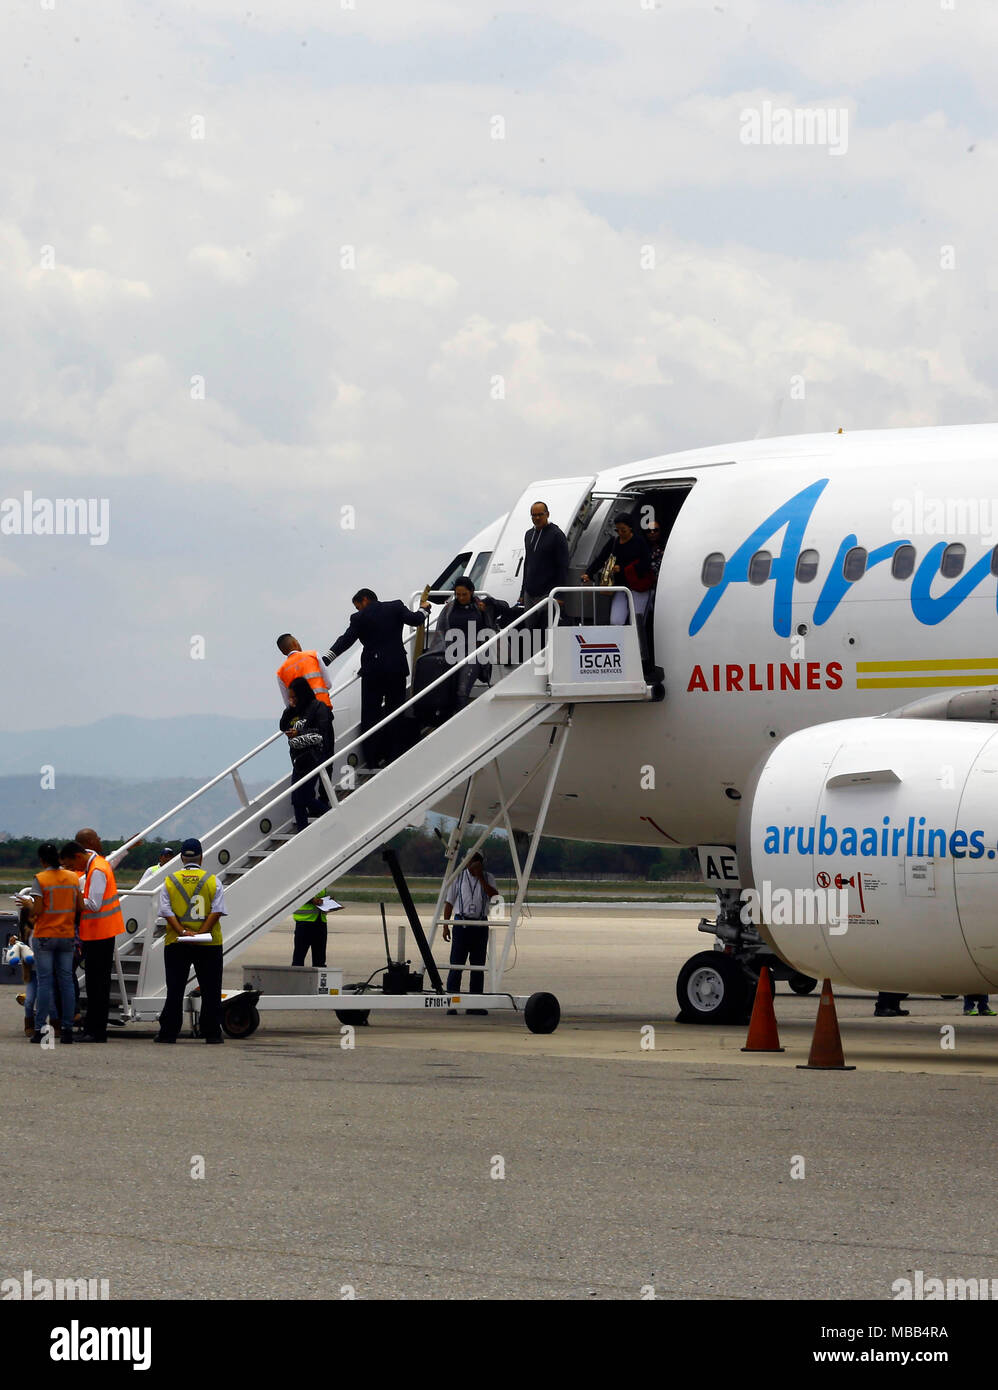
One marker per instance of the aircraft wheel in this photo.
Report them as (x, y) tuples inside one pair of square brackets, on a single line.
[(358, 1017), (801, 984), (712, 988), (542, 1013), (240, 1019)]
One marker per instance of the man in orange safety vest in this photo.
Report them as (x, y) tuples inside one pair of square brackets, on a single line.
[(100, 922), (299, 663)]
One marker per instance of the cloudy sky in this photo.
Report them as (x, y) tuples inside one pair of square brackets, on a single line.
[(261, 260)]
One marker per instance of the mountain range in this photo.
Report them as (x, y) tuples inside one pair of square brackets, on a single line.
[(126, 745), (119, 774)]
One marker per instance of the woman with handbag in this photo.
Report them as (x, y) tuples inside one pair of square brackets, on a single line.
[(631, 566)]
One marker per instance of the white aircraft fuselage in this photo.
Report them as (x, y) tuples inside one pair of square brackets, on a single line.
[(754, 657), (808, 587)]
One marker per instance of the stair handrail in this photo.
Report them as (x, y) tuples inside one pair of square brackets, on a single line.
[(547, 603), (144, 834), (554, 612)]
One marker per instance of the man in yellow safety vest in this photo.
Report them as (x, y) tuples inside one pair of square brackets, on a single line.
[(192, 903)]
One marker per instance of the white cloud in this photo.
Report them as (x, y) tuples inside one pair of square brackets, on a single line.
[(418, 284), (232, 265), (180, 258)]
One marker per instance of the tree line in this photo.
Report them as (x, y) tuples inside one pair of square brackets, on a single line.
[(421, 854)]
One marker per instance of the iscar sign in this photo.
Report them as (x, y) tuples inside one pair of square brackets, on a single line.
[(597, 658)]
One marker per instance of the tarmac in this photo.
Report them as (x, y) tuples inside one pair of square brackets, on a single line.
[(468, 1158)]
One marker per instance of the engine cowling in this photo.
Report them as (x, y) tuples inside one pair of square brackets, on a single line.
[(900, 815)]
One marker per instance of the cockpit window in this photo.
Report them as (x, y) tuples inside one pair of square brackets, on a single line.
[(477, 572), (454, 570)]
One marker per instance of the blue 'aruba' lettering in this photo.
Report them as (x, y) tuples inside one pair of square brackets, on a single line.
[(792, 518), (869, 841)]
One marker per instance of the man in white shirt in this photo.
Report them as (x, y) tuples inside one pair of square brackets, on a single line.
[(165, 855), (467, 898)]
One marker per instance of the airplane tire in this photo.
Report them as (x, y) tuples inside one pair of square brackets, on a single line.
[(358, 1017), (802, 984), (542, 1013), (240, 1019), (712, 988)]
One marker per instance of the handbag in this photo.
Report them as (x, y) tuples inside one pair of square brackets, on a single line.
[(640, 586)]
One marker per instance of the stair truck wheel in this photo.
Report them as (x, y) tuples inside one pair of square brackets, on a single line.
[(802, 984), (542, 1013), (358, 1017), (711, 988), (240, 1019)]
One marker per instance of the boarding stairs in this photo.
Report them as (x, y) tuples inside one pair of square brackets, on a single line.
[(268, 868)]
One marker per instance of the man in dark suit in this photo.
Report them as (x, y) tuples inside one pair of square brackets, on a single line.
[(545, 560), (383, 666)]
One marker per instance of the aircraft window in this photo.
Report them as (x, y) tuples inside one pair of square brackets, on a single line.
[(807, 566), (854, 565), (903, 562), (994, 560), (951, 561), (453, 571), (477, 572), (713, 570), (759, 566)]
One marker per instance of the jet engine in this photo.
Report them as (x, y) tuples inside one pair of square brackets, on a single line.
[(868, 851)]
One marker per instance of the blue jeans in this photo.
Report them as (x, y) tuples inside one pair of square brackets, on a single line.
[(53, 958)]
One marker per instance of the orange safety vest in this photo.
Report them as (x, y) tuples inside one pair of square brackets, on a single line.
[(107, 920), (58, 914), (305, 664)]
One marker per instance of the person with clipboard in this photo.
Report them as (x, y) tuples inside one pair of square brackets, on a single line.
[(310, 929)]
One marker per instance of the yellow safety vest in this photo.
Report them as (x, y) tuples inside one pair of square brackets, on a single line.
[(191, 892)]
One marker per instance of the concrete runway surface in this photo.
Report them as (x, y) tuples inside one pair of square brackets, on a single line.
[(623, 1169)]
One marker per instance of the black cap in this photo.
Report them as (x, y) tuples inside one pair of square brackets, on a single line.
[(191, 849)]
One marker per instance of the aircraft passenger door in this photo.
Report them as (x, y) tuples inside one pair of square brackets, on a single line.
[(565, 499)]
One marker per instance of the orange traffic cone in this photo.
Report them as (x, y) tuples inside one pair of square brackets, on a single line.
[(826, 1045), (763, 1035)]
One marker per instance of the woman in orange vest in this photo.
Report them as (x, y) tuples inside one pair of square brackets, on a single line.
[(100, 922), (56, 904)]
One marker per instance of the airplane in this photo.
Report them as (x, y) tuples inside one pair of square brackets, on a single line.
[(821, 630)]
